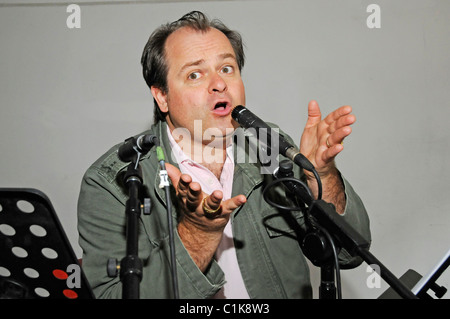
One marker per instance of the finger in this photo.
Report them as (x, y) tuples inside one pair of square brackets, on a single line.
[(314, 114), (193, 196), (233, 203), (335, 115), (183, 185), (180, 181), (338, 136), (329, 155), (211, 205), (174, 174), (214, 200), (341, 122)]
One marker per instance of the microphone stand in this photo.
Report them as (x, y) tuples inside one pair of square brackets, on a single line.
[(327, 288), (322, 216), (131, 264)]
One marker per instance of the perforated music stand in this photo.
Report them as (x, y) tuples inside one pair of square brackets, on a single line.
[(36, 258)]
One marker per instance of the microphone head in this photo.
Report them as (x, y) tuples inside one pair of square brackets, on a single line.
[(236, 111)]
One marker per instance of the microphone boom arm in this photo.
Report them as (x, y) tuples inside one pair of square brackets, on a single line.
[(326, 216)]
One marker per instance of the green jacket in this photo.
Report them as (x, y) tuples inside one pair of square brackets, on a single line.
[(270, 258)]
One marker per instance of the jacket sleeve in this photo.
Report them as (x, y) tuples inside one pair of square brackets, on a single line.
[(356, 216), (102, 230)]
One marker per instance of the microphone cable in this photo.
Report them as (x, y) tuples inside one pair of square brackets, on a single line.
[(330, 239), (164, 183), (294, 183)]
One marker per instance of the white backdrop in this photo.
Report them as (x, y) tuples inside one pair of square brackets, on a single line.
[(67, 95)]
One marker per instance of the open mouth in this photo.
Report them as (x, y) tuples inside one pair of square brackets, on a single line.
[(220, 106)]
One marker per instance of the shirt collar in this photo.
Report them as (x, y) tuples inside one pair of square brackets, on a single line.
[(182, 157)]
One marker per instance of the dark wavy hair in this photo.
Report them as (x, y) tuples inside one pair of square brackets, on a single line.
[(154, 64)]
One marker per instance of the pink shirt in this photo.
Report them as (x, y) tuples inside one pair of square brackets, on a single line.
[(226, 253)]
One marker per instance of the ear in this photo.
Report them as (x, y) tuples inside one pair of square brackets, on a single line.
[(161, 98)]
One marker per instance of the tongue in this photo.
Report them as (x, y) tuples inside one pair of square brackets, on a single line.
[(220, 105)]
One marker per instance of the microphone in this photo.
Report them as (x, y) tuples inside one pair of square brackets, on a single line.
[(140, 145), (247, 119)]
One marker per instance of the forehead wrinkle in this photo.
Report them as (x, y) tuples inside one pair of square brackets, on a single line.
[(175, 44), (190, 64)]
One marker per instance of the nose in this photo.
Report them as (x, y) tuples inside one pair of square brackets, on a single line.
[(217, 84)]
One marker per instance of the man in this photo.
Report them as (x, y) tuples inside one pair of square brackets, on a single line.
[(230, 243)]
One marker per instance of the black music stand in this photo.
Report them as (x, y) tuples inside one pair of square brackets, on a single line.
[(36, 258), (428, 282), (419, 285)]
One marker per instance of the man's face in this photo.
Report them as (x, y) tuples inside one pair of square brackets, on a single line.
[(204, 82)]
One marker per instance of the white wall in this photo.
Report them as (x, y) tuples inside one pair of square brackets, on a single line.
[(67, 95)]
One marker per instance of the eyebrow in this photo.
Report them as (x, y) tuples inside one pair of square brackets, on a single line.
[(227, 55), (223, 56), (189, 64)]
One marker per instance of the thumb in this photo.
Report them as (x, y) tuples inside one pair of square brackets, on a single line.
[(314, 115)]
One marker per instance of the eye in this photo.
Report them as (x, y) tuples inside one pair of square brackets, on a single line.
[(227, 69), (194, 76)]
